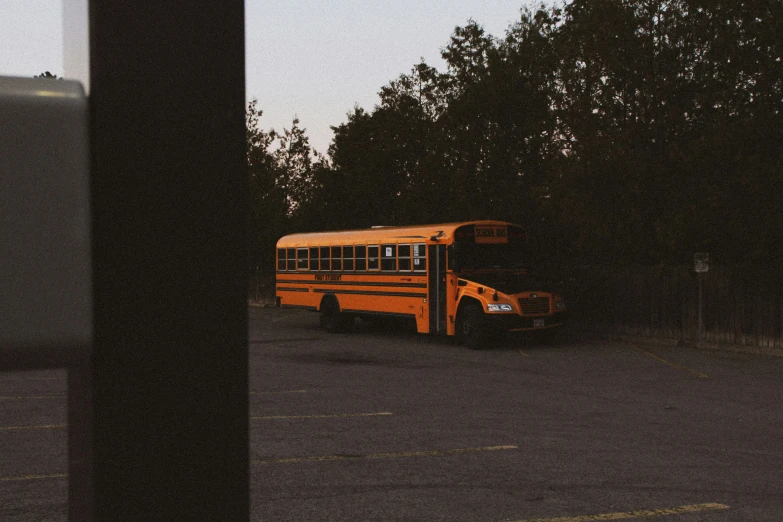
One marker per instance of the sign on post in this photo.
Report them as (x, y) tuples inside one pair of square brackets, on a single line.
[(701, 265), (701, 262)]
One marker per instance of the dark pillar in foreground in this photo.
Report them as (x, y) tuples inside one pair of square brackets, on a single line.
[(169, 367)]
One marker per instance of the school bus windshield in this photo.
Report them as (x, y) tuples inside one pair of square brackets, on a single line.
[(477, 248), (475, 257)]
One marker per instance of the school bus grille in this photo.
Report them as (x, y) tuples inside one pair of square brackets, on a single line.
[(536, 306)]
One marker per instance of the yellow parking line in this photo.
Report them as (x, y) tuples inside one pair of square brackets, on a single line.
[(5, 379), (432, 453), (45, 427), (327, 416), (644, 513), (33, 477), (277, 392), (21, 397), (673, 365)]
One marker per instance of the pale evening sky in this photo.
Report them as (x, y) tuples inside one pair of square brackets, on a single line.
[(315, 59)]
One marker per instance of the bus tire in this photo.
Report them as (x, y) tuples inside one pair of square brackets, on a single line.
[(472, 327), (331, 319)]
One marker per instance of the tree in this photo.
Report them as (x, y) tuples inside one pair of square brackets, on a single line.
[(267, 220), (373, 156), (620, 131), (293, 159)]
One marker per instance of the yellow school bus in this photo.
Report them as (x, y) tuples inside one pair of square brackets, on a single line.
[(468, 279)]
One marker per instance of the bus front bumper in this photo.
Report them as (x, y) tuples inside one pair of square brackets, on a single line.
[(516, 323)]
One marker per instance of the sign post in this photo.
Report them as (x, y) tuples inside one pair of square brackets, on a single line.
[(701, 265)]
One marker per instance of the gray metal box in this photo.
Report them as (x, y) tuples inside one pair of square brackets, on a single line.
[(45, 274)]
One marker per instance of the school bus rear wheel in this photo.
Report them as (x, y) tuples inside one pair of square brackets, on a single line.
[(331, 319)]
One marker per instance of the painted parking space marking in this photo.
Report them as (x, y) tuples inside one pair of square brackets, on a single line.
[(325, 416), (31, 397), (432, 453), (8, 379), (284, 340), (403, 454), (669, 363), (277, 392), (630, 515), (44, 427), (33, 477), (523, 352)]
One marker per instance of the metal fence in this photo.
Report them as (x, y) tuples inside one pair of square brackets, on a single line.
[(739, 304), (261, 287)]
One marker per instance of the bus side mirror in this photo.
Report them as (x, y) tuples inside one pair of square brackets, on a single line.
[(453, 252)]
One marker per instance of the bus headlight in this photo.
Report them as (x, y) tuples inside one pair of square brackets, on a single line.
[(493, 307), (560, 305)]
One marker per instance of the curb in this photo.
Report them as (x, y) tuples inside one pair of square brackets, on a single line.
[(672, 342), (260, 305)]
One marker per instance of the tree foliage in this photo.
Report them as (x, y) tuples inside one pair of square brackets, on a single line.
[(630, 131)]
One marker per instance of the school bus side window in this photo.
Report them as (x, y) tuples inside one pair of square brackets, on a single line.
[(313, 258), (361, 257), (337, 258), (324, 258), (281, 258), (389, 258), (419, 257), (404, 257), (348, 257), (301, 259), (372, 257), (291, 259)]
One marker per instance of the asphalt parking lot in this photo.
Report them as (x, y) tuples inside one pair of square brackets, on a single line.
[(389, 425), (385, 424)]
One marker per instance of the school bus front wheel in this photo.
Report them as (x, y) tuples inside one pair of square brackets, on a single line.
[(471, 328)]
